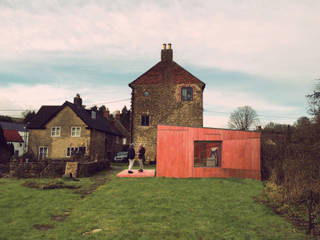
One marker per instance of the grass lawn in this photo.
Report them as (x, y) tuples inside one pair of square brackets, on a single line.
[(107, 207)]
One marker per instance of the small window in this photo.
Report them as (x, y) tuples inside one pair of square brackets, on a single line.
[(207, 154), (43, 152), (187, 94), (55, 131), (75, 131), (124, 141), (144, 120)]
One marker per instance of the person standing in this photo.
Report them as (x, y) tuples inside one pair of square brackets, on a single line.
[(141, 157), (131, 156)]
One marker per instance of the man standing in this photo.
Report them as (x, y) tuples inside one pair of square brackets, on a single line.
[(141, 157), (131, 155)]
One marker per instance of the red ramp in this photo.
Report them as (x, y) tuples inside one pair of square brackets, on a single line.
[(137, 174)]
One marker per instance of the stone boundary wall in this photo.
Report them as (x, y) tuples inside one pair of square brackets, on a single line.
[(90, 168), (53, 168)]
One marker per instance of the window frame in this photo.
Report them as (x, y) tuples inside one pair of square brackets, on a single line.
[(145, 122), (219, 154), (77, 149), (54, 131), (186, 98), (75, 131), (46, 152)]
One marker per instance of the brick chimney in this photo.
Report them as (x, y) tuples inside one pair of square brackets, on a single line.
[(106, 113), (77, 100), (166, 53), (118, 115)]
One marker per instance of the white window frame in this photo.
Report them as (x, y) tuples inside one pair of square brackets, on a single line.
[(55, 132), (46, 152), (76, 132)]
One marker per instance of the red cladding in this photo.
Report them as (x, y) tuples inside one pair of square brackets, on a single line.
[(182, 151)]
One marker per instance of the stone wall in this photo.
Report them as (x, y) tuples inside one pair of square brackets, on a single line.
[(97, 145), (164, 106), (53, 168), (37, 169)]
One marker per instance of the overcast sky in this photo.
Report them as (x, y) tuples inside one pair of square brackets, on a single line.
[(264, 54)]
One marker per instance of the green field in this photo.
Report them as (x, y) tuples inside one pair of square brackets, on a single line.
[(107, 207)]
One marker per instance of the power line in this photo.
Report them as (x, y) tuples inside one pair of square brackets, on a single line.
[(115, 101), (205, 110)]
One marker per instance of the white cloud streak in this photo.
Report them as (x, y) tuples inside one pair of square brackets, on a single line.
[(16, 98)]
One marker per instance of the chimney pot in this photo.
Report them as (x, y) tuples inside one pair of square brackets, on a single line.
[(106, 113), (118, 115), (77, 100), (164, 46), (166, 53)]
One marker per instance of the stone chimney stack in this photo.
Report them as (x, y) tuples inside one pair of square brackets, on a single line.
[(77, 100), (166, 53), (118, 115), (106, 113)]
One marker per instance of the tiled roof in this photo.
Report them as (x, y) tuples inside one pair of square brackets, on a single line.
[(12, 135), (166, 72), (46, 113)]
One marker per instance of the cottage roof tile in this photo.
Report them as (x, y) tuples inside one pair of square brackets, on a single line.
[(12, 135), (166, 72), (46, 113)]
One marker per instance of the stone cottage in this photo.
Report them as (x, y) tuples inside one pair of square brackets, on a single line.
[(166, 94), (58, 131)]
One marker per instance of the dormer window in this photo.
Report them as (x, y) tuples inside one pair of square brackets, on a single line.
[(187, 94)]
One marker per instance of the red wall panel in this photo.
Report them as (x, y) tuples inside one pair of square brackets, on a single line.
[(240, 154)]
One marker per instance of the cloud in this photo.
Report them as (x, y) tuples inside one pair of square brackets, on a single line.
[(229, 100), (262, 37)]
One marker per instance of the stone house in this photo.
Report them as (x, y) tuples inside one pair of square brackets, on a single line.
[(58, 131), (166, 94)]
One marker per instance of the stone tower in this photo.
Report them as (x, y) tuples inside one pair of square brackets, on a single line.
[(165, 94)]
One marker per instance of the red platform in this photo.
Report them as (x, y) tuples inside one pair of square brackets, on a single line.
[(137, 174)]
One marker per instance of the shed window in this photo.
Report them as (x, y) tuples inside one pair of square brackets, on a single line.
[(144, 120), (187, 94), (207, 153)]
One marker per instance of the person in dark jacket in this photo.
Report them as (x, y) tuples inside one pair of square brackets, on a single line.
[(141, 157), (131, 156)]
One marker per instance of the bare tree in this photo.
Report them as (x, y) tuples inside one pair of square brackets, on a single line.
[(242, 118), (314, 100)]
